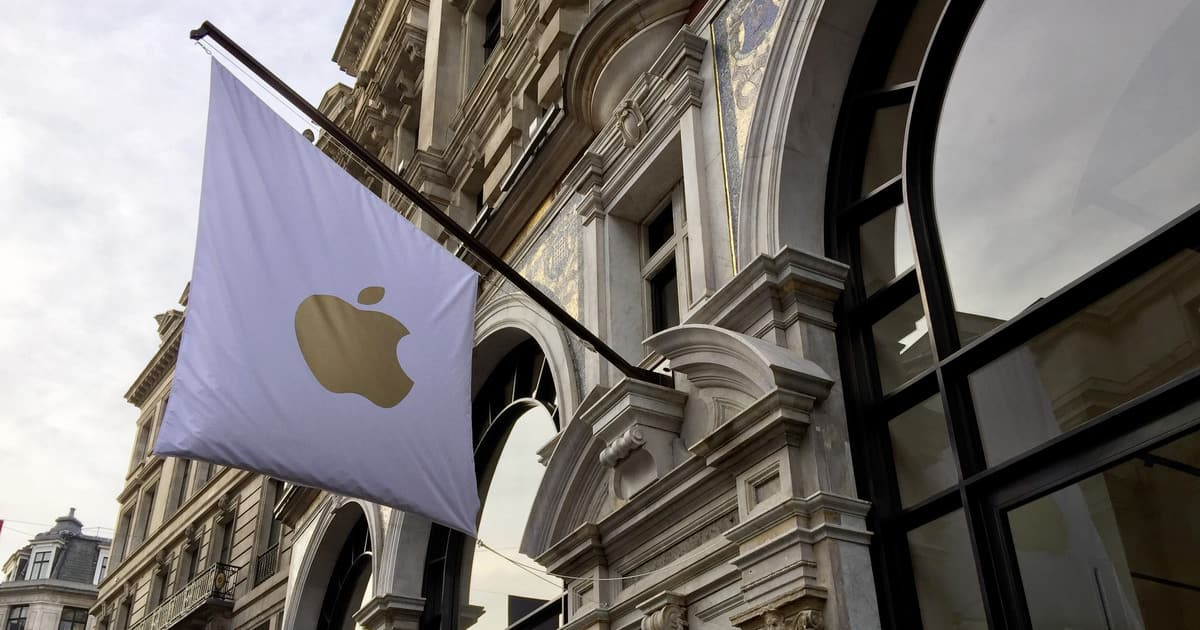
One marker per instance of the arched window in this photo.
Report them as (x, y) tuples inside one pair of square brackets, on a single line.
[(1014, 184), (514, 415), (348, 582)]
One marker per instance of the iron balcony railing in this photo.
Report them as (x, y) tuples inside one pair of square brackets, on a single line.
[(214, 583), (267, 564)]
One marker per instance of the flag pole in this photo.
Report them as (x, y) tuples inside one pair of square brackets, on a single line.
[(207, 29)]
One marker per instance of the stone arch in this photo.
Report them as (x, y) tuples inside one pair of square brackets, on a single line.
[(564, 498), (334, 521), (519, 358), (505, 321), (791, 134)]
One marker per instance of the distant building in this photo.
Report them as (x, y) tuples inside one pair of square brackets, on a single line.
[(51, 582)]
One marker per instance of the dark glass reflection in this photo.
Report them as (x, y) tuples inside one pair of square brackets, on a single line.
[(1117, 550), (1139, 337), (885, 248), (902, 348), (921, 451), (1069, 132), (911, 50), (664, 298), (944, 567), (885, 146)]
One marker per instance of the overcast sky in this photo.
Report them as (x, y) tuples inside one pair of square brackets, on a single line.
[(102, 117)]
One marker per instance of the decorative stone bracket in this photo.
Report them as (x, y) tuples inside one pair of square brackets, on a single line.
[(665, 611), (794, 611), (757, 393), (639, 426)]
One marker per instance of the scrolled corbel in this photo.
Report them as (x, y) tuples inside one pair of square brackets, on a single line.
[(668, 617)]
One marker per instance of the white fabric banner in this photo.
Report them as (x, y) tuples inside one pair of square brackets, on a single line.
[(327, 340)]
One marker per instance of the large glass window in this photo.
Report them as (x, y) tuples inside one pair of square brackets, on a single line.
[(1117, 549), (503, 591), (1016, 193), (1129, 342), (1060, 146), (947, 589)]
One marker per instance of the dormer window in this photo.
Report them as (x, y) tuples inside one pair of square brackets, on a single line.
[(39, 566)]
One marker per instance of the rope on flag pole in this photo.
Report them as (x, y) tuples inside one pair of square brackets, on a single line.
[(464, 235)]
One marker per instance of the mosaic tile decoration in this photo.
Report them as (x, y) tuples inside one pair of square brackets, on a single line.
[(553, 264), (742, 34)]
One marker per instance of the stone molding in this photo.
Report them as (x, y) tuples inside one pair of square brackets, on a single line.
[(391, 612), (774, 292)]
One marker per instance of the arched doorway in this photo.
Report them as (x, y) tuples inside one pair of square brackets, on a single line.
[(1012, 188), (514, 413)]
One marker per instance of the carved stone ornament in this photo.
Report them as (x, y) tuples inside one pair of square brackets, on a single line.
[(191, 537), (806, 619), (162, 562), (227, 507), (631, 122), (669, 617), (621, 447)]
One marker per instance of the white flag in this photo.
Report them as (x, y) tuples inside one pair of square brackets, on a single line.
[(327, 340)]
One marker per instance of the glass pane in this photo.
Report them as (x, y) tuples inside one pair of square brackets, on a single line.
[(921, 451), (1059, 147), (902, 348), (915, 40), (944, 567), (502, 589), (659, 230), (886, 248), (1117, 550), (885, 146), (664, 298), (1139, 337)]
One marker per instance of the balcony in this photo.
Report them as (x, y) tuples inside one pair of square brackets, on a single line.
[(208, 595), (267, 564)]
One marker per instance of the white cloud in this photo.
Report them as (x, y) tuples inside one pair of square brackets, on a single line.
[(101, 139)]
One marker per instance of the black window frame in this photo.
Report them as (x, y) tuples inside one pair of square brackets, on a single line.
[(984, 492), (40, 559), (14, 622), (74, 623)]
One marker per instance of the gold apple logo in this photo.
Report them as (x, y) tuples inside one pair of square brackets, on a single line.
[(350, 350)]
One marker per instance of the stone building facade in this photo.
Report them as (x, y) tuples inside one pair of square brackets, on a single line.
[(922, 274), (196, 545), (51, 582)]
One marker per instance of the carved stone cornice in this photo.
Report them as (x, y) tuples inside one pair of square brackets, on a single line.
[(391, 612), (745, 381), (162, 364), (797, 610), (295, 503), (773, 292)]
